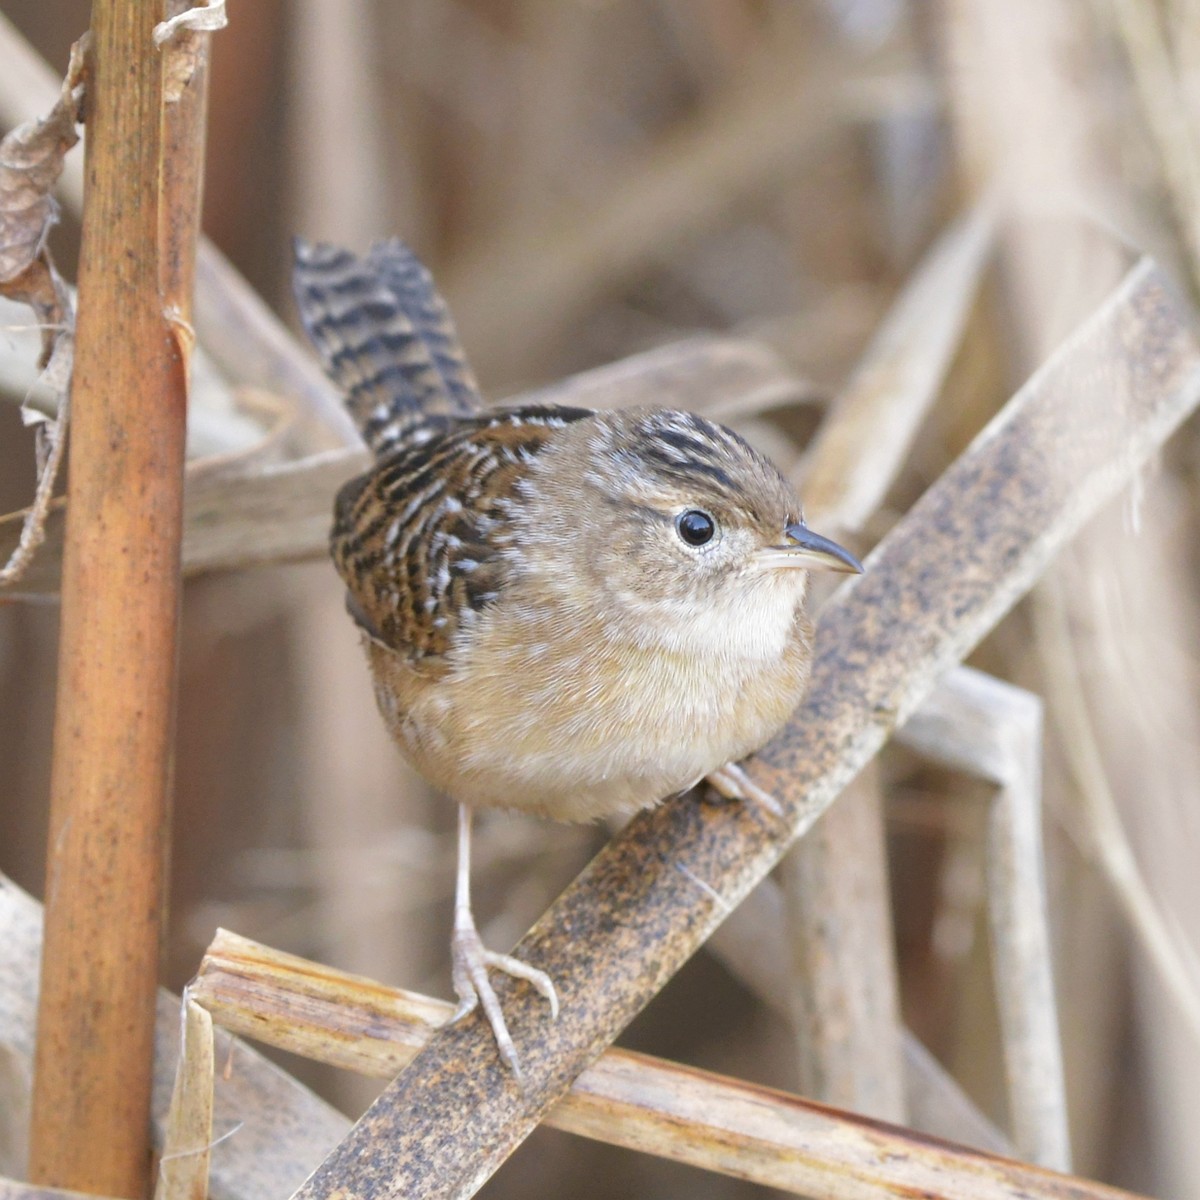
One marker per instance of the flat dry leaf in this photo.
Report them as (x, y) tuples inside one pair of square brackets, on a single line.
[(31, 160), (204, 18)]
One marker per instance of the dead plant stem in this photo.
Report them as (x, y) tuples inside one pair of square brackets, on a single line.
[(120, 606)]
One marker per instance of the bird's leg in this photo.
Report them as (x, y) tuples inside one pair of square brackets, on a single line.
[(733, 783), (471, 959)]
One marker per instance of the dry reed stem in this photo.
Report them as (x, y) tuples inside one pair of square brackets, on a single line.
[(1108, 842), (780, 113), (1052, 274), (1005, 70), (864, 441), (971, 546), (992, 729), (187, 1136), (546, 157), (244, 337), (183, 1168), (282, 1129), (627, 1099), (251, 345), (989, 729), (254, 510), (184, 58), (845, 989), (117, 656), (274, 513), (339, 126), (1167, 116), (752, 946), (273, 1127), (844, 986), (11, 1189)]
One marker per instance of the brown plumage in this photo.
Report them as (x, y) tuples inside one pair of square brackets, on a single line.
[(573, 613), (421, 540)]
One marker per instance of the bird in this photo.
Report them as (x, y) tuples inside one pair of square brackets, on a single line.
[(566, 612)]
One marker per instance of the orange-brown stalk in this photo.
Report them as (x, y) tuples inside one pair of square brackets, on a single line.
[(120, 609)]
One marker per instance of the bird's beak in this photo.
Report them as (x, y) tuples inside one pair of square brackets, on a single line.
[(807, 549)]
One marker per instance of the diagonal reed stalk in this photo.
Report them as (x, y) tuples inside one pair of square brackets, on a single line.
[(946, 574)]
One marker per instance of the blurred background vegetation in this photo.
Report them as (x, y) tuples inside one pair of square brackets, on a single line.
[(590, 178)]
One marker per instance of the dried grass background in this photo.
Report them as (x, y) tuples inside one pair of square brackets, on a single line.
[(589, 179)]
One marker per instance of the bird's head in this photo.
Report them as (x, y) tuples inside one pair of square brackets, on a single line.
[(681, 525)]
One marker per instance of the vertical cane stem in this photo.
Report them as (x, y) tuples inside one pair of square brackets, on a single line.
[(120, 606)]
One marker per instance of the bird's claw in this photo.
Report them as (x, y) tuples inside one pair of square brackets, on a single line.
[(471, 961), (732, 782)]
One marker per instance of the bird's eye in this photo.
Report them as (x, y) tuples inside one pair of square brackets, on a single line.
[(695, 527)]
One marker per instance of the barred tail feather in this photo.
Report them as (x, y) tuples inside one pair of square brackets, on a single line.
[(393, 368), (409, 280)]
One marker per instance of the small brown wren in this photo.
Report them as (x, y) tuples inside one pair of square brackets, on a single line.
[(567, 612)]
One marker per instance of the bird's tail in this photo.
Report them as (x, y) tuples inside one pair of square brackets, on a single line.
[(385, 337)]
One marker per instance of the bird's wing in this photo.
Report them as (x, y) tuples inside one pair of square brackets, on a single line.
[(425, 540)]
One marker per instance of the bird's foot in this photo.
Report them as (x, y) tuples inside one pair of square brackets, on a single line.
[(471, 961), (732, 782)]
